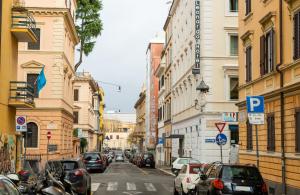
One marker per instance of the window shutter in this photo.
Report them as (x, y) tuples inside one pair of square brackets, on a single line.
[(272, 35), (297, 128), (262, 55), (268, 133), (296, 36)]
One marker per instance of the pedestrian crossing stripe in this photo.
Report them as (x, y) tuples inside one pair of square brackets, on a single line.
[(113, 186)]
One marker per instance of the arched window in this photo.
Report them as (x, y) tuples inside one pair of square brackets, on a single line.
[(32, 135)]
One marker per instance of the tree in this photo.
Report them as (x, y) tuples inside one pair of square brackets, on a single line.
[(89, 26), (83, 144)]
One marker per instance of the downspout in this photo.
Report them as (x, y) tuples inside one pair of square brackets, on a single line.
[(283, 158)]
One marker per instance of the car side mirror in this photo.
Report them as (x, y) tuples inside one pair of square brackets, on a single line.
[(203, 177), (176, 172)]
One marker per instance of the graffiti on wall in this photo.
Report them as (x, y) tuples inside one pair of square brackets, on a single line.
[(7, 159)]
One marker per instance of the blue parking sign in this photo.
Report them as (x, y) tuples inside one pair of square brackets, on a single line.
[(255, 104)]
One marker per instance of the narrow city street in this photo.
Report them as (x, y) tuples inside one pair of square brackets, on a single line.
[(125, 178)]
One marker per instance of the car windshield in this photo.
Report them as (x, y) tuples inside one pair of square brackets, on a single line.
[(194, 161), (240, 172), (183, 161), (148, 155), (195, 169), (92, 156), (70, 165)]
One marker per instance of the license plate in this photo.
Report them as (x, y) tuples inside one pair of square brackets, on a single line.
[(243, 188)]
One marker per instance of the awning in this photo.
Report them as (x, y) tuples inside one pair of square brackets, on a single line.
[(175, 136)]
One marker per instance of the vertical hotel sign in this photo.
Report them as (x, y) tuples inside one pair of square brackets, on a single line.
[(196, 69)]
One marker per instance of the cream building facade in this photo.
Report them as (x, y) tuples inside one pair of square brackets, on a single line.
[(193, 125), (54, 51), (86, 109)]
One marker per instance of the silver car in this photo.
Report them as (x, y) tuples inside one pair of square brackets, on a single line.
[(119, 158)]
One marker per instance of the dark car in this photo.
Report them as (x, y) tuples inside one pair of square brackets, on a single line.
[(94, 161), (77, 175), (231, 179), (146, 160)]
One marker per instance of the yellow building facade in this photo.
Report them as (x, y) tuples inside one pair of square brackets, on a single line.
[(12, 32), (269, 66)]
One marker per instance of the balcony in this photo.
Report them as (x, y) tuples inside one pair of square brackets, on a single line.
[(21, 95), (23, 23)]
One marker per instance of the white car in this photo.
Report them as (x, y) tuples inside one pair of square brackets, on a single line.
[(187, 178), (179, 162)]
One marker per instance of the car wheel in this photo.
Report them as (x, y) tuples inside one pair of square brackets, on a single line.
[(89, 191)]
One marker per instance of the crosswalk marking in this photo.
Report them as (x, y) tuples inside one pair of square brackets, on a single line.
[(95, 187), (130, 186), (112, 186), (150, 187)]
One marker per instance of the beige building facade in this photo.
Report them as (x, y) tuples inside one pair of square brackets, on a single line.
[(54, 51), (140, 129), (86, 109), (269, 66)]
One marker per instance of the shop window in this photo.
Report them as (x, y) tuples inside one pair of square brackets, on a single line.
[(234, 134)]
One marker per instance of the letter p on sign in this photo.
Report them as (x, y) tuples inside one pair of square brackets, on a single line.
[(255, 104)]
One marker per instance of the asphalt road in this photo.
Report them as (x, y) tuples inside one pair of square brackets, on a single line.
[(127, 179)]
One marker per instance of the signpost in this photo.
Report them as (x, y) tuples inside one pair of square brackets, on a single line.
[(48, 137), (256, 116), (221, 138), (21, 126)]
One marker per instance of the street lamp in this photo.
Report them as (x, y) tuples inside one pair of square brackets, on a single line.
[(203, 88)]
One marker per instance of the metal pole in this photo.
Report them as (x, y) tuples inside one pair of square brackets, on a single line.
[(257, 151), (25, 153), (47, 150), (221, 153)]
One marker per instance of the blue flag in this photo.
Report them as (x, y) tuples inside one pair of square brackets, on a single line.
[(41, 81)]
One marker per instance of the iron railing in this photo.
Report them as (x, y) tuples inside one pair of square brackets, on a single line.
[(21, 92), (22, 18)]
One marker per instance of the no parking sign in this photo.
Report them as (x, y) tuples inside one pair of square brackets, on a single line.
[(21, 124)]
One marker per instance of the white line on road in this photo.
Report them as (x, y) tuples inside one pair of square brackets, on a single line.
[(112, 186), (95, 186), (130, 186), (150, 187), (167, 187)]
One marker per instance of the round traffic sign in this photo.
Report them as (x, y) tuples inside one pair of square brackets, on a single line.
[(49, 135), (21, 120), (221, 139)]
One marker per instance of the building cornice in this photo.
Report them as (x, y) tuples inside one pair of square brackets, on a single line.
[(56, 12)]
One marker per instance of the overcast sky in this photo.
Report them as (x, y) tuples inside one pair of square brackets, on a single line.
[(120, 53)]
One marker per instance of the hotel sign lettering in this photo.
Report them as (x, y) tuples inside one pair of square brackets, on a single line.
[(196, 69)]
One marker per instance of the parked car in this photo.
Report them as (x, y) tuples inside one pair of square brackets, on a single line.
[(76, 173), (231, 179), (93, 161), (179, 162), (187, 178), (146, 160), (119, 158), (7, 187), (136, 158)]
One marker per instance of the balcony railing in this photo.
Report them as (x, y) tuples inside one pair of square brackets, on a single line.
[(23, 24), (21, 95)]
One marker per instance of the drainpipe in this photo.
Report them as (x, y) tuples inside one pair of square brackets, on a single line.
[(283, 159)]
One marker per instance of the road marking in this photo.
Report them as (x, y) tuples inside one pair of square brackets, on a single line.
[(150, 187), (132, 193), (95, 187), (112, 186), (131, 186), (167, 187)]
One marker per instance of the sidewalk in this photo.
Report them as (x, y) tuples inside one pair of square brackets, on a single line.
[(165, 169)]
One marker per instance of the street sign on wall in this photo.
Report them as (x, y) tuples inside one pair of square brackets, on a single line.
[(160, 140), (196, 69), (21, 124), (230, 117)]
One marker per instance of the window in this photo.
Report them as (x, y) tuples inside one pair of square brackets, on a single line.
[(118, 137), (35, 46), (233, 5), (233, 45), (297, 126), (234, 84), (76, 94), (249, 136), (248, 64), (31, 79), (297, 35), (248, 7), (111, 137), (271, 132), (32, 135), (76, 117), (267, 53)]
